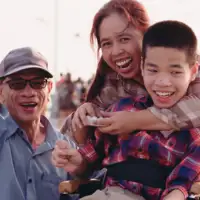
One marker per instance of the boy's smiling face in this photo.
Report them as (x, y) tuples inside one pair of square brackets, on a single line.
[(167, 75)]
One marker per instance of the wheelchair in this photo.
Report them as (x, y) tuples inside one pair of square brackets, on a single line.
[(76, 189), (156, 176)]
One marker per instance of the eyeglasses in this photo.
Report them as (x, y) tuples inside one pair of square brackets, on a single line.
[(20, 84)]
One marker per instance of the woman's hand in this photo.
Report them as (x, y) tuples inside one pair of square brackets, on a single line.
[(80, 116)]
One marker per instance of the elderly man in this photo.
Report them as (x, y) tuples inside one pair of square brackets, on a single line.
[(26, 137)]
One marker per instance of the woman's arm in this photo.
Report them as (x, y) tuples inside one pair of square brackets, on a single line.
[(184, 114)]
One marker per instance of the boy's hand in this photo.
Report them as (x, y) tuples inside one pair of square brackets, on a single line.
[(63, 156), (175, 195)]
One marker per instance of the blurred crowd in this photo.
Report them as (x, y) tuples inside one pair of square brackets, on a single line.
[(69, 94)]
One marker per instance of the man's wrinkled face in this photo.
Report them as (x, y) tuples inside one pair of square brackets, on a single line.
[(26, 94)]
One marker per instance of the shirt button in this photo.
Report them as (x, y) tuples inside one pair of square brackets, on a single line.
[(30, 180)]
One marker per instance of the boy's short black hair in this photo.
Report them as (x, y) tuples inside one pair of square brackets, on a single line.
[(171, 34)]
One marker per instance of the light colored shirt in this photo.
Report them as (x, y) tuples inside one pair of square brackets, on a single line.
[(28, 174)]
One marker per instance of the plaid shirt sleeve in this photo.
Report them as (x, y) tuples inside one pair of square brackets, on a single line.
[(184, 175), (88, 152), (186, 113), (93, 151)]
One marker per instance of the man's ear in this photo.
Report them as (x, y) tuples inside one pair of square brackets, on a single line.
[(194, 71), (2, 100), (50, 86)]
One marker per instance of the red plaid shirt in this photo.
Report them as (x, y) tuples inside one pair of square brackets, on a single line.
[(180, 150)]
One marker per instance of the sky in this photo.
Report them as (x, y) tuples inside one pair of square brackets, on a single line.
[(52, 27)]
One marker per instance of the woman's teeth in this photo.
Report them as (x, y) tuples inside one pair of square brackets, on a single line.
[(124, 63), (164, 94)]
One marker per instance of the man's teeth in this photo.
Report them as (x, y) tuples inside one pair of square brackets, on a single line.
[(164, 94), (122, 63)]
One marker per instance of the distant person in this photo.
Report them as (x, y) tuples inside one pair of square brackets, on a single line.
[(65, 91), (79, 92), (61, 80)]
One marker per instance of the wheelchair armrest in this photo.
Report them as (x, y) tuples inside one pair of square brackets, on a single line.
[(68, 187), (73, 186)]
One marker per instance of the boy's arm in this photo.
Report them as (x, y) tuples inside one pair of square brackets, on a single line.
[(185, 173)]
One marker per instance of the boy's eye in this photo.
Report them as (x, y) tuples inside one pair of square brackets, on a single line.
[(176, 73), (152, 70)]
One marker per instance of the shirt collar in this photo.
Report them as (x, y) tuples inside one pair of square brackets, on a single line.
[(51, 133)]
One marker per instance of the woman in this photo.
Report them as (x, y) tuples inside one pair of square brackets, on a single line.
[(118, 75)]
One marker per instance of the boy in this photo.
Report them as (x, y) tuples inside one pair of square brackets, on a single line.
[(147, 163)]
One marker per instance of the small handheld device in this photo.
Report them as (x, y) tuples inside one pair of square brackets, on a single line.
[(92, 121)]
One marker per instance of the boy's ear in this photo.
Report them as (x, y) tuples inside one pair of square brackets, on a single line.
[(194, 71)]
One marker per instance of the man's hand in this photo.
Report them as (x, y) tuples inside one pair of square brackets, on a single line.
[(174, 195), (63, 156), (116, 122)]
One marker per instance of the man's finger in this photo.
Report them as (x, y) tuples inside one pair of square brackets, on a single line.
[(60, 161), (72, 152), (62, 144)]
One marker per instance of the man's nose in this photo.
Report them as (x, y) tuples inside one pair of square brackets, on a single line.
[(28, 91)]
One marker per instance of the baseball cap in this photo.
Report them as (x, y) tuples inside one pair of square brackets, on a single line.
[(23, 58)]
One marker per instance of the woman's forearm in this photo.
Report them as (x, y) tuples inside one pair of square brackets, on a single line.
[(145, 120)]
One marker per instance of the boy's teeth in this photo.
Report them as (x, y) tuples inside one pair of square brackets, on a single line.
[(164, 94), (121, 63)]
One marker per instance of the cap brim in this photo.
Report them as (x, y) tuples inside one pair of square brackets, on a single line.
[(48, 74)]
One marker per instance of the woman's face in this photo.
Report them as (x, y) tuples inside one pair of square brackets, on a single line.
[(120, 45)]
